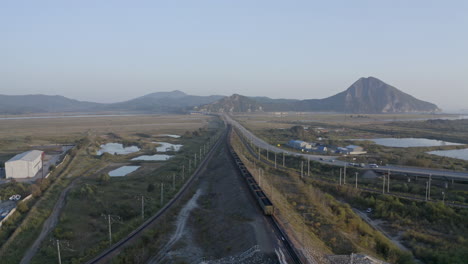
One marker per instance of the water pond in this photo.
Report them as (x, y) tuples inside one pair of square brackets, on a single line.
[(117, 148), (164, 146), (122, 171), (168, 135), (157, 157), (454, 153), (409, 142)]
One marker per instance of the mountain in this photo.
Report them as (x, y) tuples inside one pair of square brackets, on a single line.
[(367, 95), (160, 102), (38, 103), (233, 103), (371, 95), (175, 101)]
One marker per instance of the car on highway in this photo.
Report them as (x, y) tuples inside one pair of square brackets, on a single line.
[(4, 214), (369, 210), (373, 166), (15, 197)]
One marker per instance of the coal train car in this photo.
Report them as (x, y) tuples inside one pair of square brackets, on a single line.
[(264, 202)]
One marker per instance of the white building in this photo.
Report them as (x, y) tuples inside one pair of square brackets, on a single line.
[(24, 165), (355, 150)]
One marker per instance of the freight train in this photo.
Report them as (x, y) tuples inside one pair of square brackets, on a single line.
[(263, 201)]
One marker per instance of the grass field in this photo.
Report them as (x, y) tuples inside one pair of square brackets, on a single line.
[(119, 197)]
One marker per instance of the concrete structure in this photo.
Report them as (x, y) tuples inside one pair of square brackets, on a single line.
[(24, 165), (299, 144), (354, 150)]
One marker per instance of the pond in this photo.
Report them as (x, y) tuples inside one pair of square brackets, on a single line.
[(164, 146), (122, 171), (454, 153), (117, 148), (409, 142), (168, 135), (157, 157)]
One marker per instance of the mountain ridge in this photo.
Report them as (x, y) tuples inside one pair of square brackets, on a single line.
[(366, 95)]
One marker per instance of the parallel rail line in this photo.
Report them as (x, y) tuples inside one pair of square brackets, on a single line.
[(115, 247)]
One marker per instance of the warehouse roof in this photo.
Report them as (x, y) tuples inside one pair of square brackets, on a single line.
[(27, 156)]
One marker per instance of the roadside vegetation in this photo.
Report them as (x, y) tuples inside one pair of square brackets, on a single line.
[(433, 231), (331, 225), (86, 171)]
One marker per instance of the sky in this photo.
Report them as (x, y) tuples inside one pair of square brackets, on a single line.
[(111, 50)]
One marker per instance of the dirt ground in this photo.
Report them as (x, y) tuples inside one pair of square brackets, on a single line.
[(222, 222)]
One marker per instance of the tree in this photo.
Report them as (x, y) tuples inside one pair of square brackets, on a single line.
[(104, 177), (22, 207), (36, 190), (150, 187), (297, 131)]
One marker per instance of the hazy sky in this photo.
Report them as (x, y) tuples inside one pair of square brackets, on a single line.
[(108, 51)]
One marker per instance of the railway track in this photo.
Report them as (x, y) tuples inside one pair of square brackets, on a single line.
[(117, 246), (265, 203)]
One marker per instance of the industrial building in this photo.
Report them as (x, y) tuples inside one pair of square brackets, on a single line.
[(351, 150), (24, 165), (299, 144)]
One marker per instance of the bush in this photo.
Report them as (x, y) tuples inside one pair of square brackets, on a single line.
[(104, 178), (22, 207)]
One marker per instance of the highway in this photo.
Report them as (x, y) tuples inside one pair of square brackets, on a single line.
[(331, 160)]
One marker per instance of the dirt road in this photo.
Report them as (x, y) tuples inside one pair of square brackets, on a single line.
[(49, 224)]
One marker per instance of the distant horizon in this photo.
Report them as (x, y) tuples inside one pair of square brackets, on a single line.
[(109, 51), (444, 110)]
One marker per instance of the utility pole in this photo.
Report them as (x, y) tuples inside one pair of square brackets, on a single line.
[(200, 153), (383, 186), (427, 184), (162, 194), (58, 252), (356, 179), (283, 163), (268, 154), (173, 181), (258, 153), (195, 161), (429, 188), (344, 175), (443, 197), (302, 169), (142, 207), (275, 160), (340, 176), (308, 165), (183, 173), (388, 181), (259, 177), (110, 229)]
